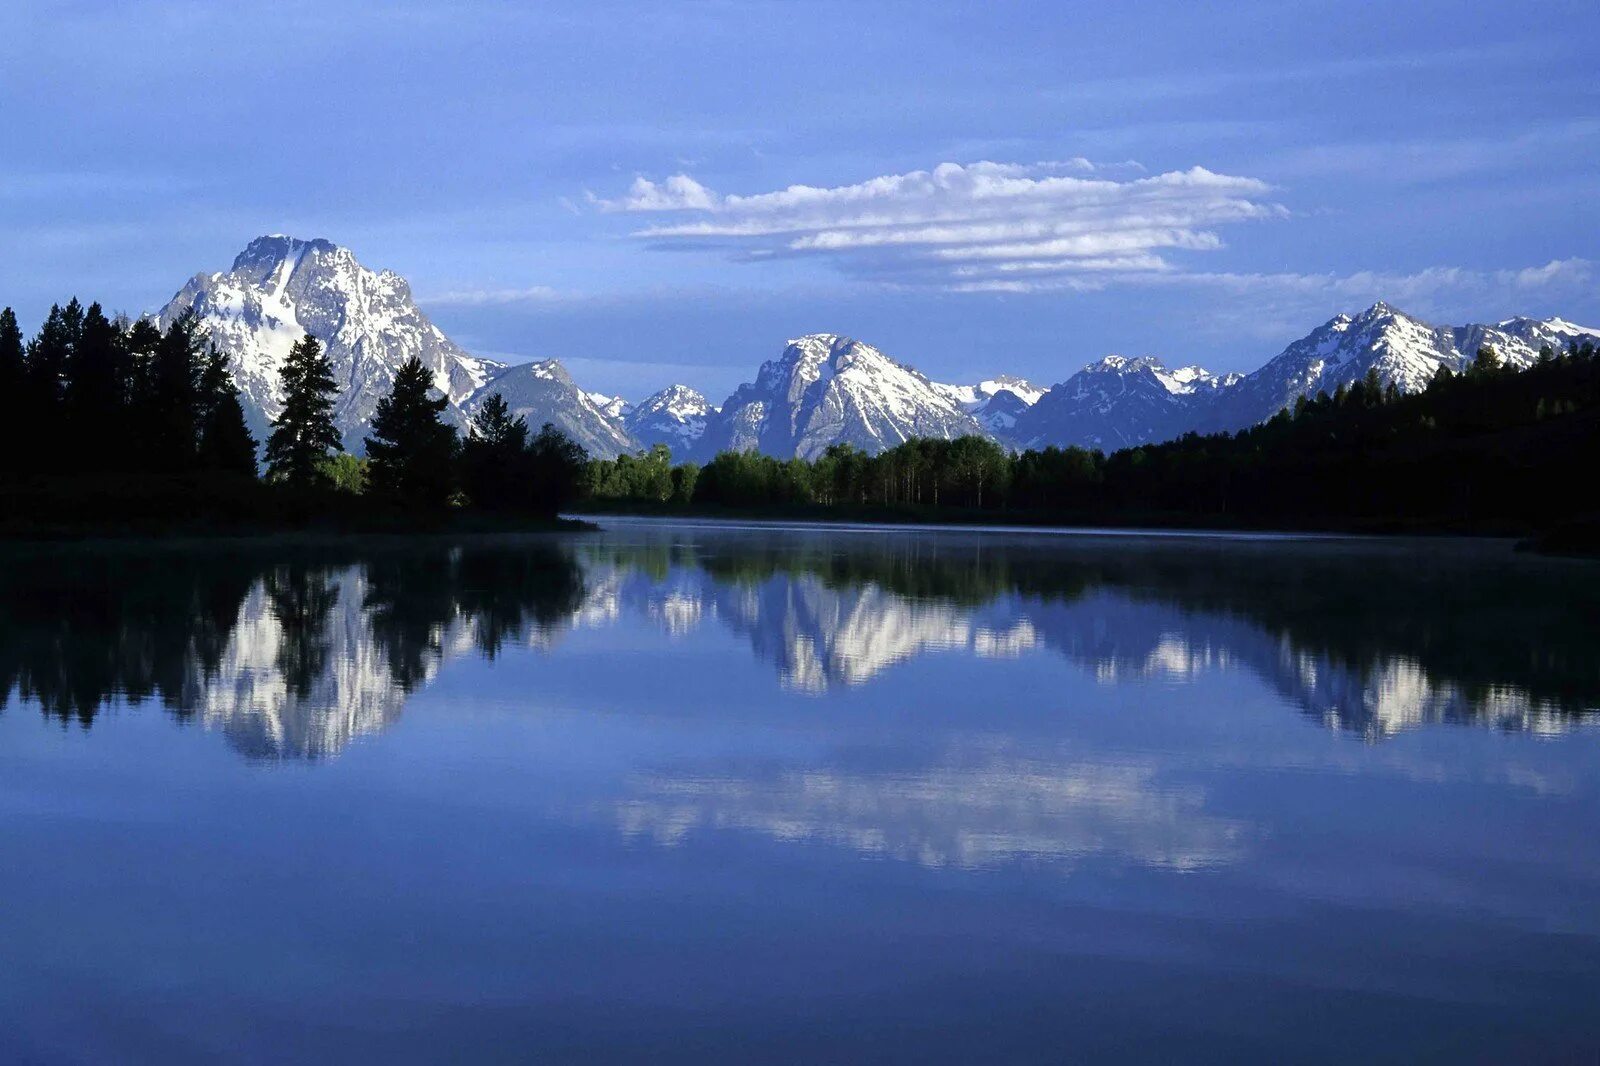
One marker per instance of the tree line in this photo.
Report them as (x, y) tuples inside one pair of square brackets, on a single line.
[(1493, 447), (92, 394), (102, 406)]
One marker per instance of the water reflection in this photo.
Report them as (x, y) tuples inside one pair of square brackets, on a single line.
[(291, 654), (973, 809), (1371, 638), (288, 658)]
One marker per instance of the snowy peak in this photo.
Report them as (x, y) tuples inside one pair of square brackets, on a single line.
[(614, 407), (282, 288), (1403, 350), (676, 416), (827, 389), (1116, 402)]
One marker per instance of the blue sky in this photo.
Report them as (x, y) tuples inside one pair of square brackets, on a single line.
[(659, 193)]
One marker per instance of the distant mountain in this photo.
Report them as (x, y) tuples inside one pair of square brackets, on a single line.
[(826, 389), (996, 404), (544, 392), (1404, 350), (676, 416), (281, 288), (1118, 402), (613, 407)]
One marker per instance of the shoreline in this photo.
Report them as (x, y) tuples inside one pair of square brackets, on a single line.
[(1576, 540)]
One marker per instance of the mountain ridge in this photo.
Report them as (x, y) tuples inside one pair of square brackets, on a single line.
[(822, 389)]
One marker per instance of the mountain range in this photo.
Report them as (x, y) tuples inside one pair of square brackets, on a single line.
[(823, 389)]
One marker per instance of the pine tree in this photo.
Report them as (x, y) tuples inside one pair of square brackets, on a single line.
[(494, 457), (95, 393), (12, 397), (47, 356), (1372, 387), (304, 433), (226, 445), (172, 415), (411, 452), (557, 466), (1487, 361)]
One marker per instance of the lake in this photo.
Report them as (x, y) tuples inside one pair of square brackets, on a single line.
[(679, 792)]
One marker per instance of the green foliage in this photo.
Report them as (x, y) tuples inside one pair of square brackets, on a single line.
[(304, 433), (645, 476), (411, 453), (345, 473)]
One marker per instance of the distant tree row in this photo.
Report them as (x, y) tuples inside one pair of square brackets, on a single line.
[(1492, 446), (121, 402)]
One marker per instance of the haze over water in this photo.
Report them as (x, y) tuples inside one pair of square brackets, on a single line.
[(688, 793)]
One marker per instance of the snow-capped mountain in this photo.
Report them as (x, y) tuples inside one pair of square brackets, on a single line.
[(281, 288), (1405, 351), (613, 407), (1118, 402), (996, 403), (676, 416), (826, 389), (544, 392)]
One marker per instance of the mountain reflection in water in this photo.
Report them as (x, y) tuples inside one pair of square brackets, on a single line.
[(292, 653)]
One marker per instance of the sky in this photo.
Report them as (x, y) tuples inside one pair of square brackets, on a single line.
[(667, 193)]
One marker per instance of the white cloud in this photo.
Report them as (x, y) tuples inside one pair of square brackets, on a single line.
[(532, 294), (678, 193), (958, 225)]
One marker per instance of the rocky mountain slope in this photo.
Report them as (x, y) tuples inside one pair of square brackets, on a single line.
[(1118, 402), (543, 392), (281, 288), (826, 389)]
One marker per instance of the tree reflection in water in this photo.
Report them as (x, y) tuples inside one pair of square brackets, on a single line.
[(292, 652)]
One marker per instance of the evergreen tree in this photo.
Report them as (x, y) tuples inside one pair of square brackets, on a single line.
[(1487, 361), (411, 453), (95, 393), (12, 399), (225, 442), (46, 364), (1372, 387), (557, 466), (304, 433), (494, 457), (172, 413)]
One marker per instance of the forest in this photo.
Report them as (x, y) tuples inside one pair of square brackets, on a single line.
[(117, 424), (1494, 449)]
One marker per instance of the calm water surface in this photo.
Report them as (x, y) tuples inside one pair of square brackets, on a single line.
[(685, 793)]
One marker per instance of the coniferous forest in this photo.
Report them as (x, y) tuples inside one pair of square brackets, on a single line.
[(116, 425)]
